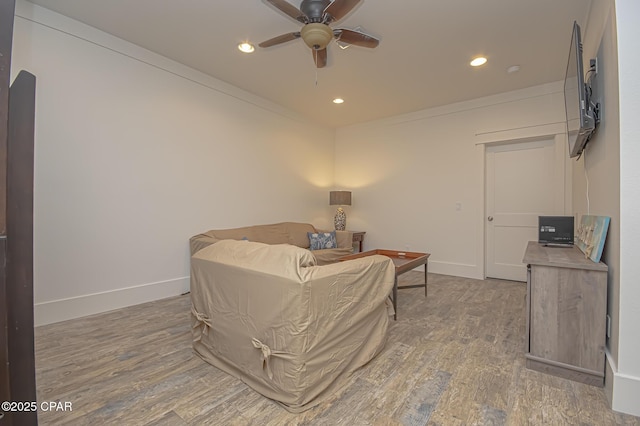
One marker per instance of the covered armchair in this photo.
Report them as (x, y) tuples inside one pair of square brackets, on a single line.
[(288, 328)]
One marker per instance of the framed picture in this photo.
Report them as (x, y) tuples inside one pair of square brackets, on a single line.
[(592, 233)]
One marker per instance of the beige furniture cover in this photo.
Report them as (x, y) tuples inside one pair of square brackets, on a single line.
[(278, 233), (291, 330)]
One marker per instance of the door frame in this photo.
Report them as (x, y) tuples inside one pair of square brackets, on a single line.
[(557, 131), (7, 12)]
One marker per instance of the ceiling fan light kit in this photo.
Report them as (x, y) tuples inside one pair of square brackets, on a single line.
[(316, 35), (316, 15)]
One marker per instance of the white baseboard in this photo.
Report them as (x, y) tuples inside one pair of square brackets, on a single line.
[(622, 389), (455, 269), (81, 306)]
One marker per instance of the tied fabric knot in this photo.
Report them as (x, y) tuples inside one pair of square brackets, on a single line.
[(267, 353), (201, 321), (266, 350)]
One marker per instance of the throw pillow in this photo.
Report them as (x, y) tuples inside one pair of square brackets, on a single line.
[(322, 240)]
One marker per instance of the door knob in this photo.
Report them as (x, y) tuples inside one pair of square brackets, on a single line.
[(490, 218)]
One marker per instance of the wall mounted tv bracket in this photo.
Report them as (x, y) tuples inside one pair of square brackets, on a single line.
[(593, 106)]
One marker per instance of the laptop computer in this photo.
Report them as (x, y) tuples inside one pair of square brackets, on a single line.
[(555, 230)]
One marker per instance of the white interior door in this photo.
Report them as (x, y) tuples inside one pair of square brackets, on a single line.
[(524, 180)]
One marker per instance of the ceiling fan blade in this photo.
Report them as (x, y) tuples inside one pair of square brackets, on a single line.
[(320, 57), (289, 9), (339, 8), (356, 38), (280, 39)]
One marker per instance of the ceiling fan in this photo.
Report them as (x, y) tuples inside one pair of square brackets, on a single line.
[(316, 15)]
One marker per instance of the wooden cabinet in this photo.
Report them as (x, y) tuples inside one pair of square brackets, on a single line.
[(566, 313), (358, 238)]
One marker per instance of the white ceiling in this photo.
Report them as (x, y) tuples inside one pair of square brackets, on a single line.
[(422, 60)]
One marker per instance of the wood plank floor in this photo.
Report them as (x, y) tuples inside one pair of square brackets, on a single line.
[(455, 358)]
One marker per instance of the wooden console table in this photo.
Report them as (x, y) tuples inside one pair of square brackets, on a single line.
[(565, 313)]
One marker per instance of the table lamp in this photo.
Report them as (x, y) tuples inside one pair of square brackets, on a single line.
[(340, 198)]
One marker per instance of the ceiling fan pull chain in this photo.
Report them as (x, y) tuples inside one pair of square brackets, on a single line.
[(315, 61)]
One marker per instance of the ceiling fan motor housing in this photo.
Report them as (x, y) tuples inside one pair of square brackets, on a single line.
[(316, 35), (314, 9)]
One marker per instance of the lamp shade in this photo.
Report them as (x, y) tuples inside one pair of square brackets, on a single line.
[(340, 198)]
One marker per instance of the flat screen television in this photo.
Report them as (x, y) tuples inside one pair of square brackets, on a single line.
[(582, 117)]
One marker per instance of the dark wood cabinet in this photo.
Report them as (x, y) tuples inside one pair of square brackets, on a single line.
[(358, 238)]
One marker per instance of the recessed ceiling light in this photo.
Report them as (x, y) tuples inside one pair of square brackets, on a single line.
[(478, 61), (246, 47), (338, 101), (513, 68)]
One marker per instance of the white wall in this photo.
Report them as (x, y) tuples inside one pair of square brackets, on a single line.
[(610, 161), (626, 394), (602, 153), (601, 160), (136, 153), (407, 173)]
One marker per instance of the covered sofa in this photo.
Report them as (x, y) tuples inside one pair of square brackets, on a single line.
[(290, 329), (278, 233)]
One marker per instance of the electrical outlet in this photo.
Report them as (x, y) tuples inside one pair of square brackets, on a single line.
[(608, 326)]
